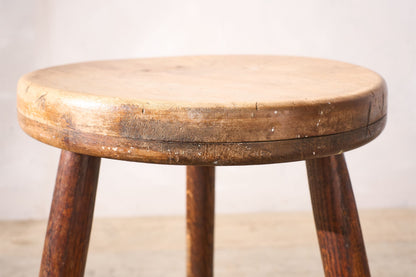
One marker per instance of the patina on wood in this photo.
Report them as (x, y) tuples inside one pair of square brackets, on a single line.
[(135, 109), (67, 237), (336, 218), (204, 111), (199, 153)]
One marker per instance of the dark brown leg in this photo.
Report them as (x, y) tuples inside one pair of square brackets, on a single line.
[(200, 199), (336, 218), (70, 219)]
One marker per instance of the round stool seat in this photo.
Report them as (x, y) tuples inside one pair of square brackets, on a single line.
[(204, 110)]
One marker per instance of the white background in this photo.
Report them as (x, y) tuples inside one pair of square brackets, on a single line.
[(380, 35)]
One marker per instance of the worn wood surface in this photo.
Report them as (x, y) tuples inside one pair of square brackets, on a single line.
[(136, 108), (200, 203), (336, 218), (244, 153), (70, 219)]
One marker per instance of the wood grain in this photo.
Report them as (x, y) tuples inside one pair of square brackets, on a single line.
[(206, 99), (70, 219), (336, 218), (213, 154), (200, 202), (204, 111)]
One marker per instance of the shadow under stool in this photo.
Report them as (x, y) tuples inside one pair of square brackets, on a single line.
[(202, 112)]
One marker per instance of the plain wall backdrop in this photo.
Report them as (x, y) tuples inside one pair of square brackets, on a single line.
[(380, 35)]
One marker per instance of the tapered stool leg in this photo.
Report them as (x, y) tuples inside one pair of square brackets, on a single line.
[(336, 218), (200, 199), (70, 219)]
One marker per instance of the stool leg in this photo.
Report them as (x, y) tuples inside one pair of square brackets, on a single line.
[(70, 218), (200, 199), (336, 218)]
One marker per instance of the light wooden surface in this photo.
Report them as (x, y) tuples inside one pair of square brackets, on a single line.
[(258, 244), (183, 110)]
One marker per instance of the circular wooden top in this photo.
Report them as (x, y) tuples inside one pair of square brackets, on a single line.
[(205, 100)]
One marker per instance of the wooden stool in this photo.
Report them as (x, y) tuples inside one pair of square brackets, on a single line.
[(204, 112)]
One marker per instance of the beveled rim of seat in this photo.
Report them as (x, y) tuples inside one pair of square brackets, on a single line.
[(204, 110)]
